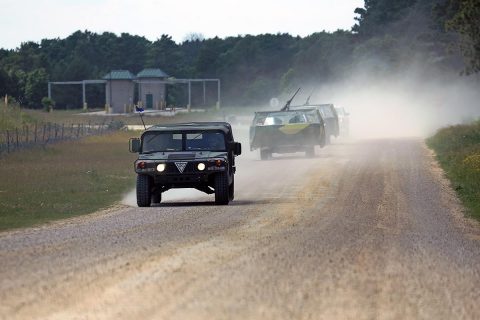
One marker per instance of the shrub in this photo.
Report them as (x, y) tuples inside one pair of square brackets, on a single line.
[(48, 104)]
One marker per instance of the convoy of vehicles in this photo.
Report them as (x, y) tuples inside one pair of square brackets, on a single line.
[(201, 155), (185, 155)]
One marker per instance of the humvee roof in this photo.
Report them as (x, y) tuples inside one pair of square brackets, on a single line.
[(223, 126)]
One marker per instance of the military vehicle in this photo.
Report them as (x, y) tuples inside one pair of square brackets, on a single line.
[(198, 155), (329, 115), (286, 132), (343, 121)]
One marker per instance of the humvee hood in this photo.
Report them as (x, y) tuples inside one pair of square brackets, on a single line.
[(182, 155)]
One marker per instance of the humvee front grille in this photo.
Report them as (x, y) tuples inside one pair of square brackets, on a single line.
[(178, 156)]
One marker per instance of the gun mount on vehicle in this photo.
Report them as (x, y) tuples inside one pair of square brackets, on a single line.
[(198, 155)]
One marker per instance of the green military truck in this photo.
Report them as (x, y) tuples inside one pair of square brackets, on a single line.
[(329, 115), (287, 131), (198, 155)]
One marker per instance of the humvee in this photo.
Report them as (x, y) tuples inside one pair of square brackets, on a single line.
[(287, 131), (343, 121), (329, 115), (198, 155)]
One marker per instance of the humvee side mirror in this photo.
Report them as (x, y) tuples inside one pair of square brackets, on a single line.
[(134, 145), (237, 148)]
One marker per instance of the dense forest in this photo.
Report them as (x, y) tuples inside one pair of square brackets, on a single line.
[(388, 36)]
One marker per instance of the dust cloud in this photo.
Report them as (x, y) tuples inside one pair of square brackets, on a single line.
[(403, 106), (175, 195), (379, 107)]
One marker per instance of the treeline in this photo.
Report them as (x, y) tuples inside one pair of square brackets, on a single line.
[(387, 36)]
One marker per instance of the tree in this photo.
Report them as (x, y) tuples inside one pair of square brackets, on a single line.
[(35, 87), (466, 21), (378, 14), (164, 54)]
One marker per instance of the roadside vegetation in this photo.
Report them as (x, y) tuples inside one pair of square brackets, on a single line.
[(458, 151), (80, 116), (12, 117), (64, 180)]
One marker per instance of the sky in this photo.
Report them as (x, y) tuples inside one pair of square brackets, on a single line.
[(33, 20)]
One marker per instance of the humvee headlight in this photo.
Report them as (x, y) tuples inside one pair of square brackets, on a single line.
[(161, 167), (201, 166)]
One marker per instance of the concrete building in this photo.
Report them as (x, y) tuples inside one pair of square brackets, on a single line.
[(119, 91), (123, 89), (151, 88)]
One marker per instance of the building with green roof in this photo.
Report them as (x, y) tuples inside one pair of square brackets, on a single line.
[(120, 89), (148, 88), (152, 88)]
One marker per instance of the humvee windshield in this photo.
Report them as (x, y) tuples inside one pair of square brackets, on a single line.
[(187, 141)]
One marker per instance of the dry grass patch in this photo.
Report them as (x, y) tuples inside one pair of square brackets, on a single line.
[(64, 180)]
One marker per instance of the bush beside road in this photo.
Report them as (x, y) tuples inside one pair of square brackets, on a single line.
[(458, 151)]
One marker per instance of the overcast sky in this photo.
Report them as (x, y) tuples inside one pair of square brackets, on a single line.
[(33, 20)]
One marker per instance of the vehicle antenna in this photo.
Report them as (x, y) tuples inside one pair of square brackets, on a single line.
[(287, 105), (308, 99), (140, 112)]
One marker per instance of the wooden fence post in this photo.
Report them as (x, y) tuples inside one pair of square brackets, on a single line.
[(8, 141), (16, 134), (35, 135)]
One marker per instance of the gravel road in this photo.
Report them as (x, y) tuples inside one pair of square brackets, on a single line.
[(368, 229)]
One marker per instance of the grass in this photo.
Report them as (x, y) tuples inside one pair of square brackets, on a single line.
[(12, 117), (64, 180), (79, 116), (458, 151)]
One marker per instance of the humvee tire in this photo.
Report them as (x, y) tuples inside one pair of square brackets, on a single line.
[(265, 154), (221, 189), (310, 152), (231, 189), (157, 197), (144, 190)]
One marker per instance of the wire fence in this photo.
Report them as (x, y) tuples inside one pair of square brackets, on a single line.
[(47, 133)]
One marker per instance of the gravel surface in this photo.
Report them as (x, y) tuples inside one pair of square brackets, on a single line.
[(366, 230)]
